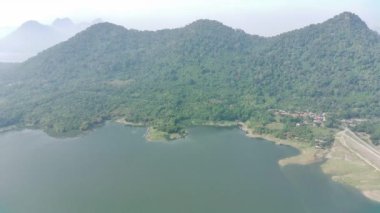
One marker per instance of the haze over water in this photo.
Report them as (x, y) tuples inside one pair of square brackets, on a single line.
[(113, 169)]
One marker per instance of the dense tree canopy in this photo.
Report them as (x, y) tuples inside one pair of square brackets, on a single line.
[(202, 72)]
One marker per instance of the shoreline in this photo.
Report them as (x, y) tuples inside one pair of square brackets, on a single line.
[(151, 134), (373, 195), (154, 135), (346, 166), (330, 164), (128, 123), (9, 129), (147, 135), (309, 155)]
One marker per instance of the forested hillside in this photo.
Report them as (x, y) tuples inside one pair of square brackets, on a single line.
[(202, 72)]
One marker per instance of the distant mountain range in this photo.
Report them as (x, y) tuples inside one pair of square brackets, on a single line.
[(33, 37), (203, 72)]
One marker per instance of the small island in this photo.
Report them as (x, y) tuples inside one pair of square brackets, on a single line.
[(319, 137), (295, 89), (154, 134)]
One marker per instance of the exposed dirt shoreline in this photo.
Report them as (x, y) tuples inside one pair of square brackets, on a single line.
[(339, 162), (308, 154), (152, 134), (353, 167), (354, 162), (128, 123)]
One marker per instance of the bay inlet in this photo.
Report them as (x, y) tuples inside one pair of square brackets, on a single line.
[(114, 169)]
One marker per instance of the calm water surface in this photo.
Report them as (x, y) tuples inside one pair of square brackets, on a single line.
[(113, 169)]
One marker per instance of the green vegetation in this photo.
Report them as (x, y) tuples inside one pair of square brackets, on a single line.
[(205, 72), (284, 127), (6, 70), (372, 128), (154, 134)]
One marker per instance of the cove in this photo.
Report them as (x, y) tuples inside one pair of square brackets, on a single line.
[(114, 169)]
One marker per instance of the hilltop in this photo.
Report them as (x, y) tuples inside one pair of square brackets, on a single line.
[(203, 72), (33, 37)]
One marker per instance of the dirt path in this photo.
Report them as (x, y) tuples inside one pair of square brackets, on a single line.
[(360, 148)]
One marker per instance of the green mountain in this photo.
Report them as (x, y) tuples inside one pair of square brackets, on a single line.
[(202, 72)]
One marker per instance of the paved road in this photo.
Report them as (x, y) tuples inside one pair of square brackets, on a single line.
[(360, 148)]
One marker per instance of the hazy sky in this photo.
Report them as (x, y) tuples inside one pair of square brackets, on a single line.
[(263, 17)]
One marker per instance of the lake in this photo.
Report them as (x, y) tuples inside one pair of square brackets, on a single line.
[(114, 169)]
